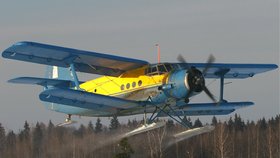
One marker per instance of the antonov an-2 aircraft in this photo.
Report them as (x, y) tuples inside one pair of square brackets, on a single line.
[(128, 86)]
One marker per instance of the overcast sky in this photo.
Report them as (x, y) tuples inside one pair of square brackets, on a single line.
[(240, 31)]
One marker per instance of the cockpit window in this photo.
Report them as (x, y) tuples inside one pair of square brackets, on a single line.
[(168, 67), (161, 69), (154, 69), (158, 69)]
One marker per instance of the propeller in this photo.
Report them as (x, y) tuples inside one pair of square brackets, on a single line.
[(181, 59), (210, 61), (196, 77)]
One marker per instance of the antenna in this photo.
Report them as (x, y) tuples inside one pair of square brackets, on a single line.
[(158, 52)]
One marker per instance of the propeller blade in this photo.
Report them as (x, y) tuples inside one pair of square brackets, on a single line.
[(210, 61), (181, 59), (210, 95)]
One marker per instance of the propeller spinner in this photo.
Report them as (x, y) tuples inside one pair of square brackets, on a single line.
[(196, 79)]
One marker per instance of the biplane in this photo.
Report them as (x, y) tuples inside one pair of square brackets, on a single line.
[(128, 86)]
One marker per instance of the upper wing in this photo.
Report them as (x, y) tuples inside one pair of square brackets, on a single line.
[(84, 61), (231, 70)]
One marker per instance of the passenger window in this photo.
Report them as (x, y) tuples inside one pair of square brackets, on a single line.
[(122, 87), (139, 83), (133, 84), (127, 86)]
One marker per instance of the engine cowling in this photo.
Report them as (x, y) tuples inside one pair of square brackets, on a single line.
[(184, 82)]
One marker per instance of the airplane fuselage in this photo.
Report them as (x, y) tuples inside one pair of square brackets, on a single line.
[(132, 85)]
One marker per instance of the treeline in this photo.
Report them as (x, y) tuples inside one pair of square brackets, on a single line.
[(231, 139)]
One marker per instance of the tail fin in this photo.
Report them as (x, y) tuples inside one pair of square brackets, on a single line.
[(55, 72)]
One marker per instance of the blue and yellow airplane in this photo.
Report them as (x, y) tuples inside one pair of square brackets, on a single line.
[(128, 86)]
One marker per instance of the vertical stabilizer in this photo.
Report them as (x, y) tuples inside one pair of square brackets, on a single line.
[(62, 73), (54, 72)]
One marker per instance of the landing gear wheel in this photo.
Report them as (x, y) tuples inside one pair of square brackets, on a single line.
[(187, 100)]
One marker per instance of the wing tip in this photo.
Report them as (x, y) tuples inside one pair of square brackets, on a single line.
[(274, 66)]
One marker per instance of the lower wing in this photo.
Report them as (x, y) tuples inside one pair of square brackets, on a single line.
[(223, 108), (87, 100)]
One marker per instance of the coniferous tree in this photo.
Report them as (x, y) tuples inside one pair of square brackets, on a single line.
[(229, 139), (263, 124), (238, 123), (214, 121), (188, 121), (37, 140), (135, 123), (170, 124), (98, 126), (129, 124), (90, 128), (230, 124), (81, 131), (2, 138), (11, 144), (26, 131), (114, 124), (197, 123), (11, 139), (126, 149), (50, 127)]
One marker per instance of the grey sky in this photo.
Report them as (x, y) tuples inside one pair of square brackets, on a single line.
[(240, 31)]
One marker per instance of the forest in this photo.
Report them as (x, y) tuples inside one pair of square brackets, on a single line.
[(234, 138)]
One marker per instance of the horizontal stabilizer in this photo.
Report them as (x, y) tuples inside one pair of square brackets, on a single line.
[(86, 100), (43, 82)]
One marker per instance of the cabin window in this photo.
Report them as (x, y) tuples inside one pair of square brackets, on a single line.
[(127, 86), (153, 69), (139, 83), (133, 84), (122, 87), (158, 69), (161, 69), (168, 67), (95, 90)]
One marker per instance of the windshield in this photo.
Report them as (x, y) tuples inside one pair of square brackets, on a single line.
[(158, 69)]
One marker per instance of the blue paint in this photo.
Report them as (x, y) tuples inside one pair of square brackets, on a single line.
[(76, 80), (177, 79), (86, 61), (235, 70)]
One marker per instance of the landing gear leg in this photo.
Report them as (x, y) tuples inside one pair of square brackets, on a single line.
[(187, 100), (145, 117), (68, 119)]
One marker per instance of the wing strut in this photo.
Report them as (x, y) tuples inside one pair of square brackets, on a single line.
[(221, 73), (76, 80)]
